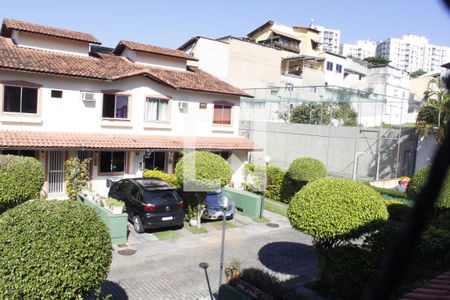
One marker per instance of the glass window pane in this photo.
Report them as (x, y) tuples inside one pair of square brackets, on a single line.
[(160, 161), (121, 106), (11, 100), (105, 162), (108, 106), (163, 110), (29, 153), (118, 162), (29, 100), (218, 114), (226, 115), (10, 152), (151, 109)]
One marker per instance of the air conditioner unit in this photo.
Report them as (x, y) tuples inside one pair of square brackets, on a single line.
[(87, 96), (182, 105)]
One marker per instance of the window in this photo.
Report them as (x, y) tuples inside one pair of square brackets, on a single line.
[(329, 66), (30, 153), (155, 161), (203, 105), (115, 106), (222, 114), (112, 162), (56, 94), (338, 68), (157, 110), (20, 99)]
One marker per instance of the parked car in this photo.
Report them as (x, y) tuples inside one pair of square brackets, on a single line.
[(213, 211), (149, 202)]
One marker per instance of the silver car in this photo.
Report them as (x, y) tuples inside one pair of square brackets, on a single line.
[(213, 211)]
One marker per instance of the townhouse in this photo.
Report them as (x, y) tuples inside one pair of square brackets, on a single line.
[(127, 109)]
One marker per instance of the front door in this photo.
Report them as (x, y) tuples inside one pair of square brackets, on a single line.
[(55, 172)]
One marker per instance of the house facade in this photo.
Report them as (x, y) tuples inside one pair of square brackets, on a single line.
[(127, 109)]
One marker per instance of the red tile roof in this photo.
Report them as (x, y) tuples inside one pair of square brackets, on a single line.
[(104, 66), (438, 288), (151, 49), (111, 141), (9, 25)]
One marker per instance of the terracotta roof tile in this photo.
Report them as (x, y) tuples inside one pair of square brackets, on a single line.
[(63, 140), (151, 49), (104, 66), (9, 25)]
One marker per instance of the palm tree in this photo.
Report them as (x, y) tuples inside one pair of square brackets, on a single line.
[(435, 112)]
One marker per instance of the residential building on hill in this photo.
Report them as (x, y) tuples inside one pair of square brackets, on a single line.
[(330, 39), (133, 107), (360, 49), (411, 53)]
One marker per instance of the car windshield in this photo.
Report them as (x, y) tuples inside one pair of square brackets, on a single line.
[(161, 196)]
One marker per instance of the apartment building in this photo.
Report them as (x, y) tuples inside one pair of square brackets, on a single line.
[(360, 49), (330, 39), (128, 108), (411, 53)]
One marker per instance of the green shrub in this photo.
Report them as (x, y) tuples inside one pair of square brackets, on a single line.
[(52, 250), (77, 176), (114, 202), (21, 178), (275, 178), (397, 210), (169, 178), (306, 169), (264, 281), (289, 188), (346, 271), (335, 210), (417, 183), (203, 170), (390, 192)]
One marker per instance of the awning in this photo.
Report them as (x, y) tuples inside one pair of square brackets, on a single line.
[(111, 141)]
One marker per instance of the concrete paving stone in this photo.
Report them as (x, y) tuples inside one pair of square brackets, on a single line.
[(170, 269)]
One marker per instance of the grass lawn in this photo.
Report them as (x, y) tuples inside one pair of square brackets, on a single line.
[(275, 208), (261, 220), (195, 230), (167, 235), (219, 225)]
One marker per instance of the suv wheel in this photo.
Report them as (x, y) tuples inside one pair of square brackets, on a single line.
[(137, 224)]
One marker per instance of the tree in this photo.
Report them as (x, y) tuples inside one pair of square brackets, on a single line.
[(436, 109), (311, 113), (376, 61), (346, 115), (77, 176), (283, 115), (417, 73)]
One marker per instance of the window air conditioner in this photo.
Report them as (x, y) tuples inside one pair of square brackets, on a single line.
[(182, 105), (87, 96)]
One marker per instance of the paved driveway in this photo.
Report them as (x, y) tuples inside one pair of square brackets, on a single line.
[(170, 269)]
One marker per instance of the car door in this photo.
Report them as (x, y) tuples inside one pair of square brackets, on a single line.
[(135, 198)]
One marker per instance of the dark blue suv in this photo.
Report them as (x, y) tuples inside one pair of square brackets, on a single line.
[(149, 202)]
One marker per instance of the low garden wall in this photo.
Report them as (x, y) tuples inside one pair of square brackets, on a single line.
[(117, 224), (248, 203)]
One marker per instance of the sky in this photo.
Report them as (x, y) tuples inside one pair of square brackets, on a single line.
[(171, 23)]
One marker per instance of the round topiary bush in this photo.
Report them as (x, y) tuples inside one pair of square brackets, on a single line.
[(203, 171), (21, 178), (52, 250), (333, 210), (306, 169), (417, 183)]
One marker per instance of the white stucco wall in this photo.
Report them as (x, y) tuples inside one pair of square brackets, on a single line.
[(71, 114), (155, 60), (213, 56), (48, 43)]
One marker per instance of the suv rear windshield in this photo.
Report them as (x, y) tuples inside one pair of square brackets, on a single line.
[(160, 196)]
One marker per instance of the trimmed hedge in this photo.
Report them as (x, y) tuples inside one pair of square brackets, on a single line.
[(275, 177), (204, 170), (264, 281), (169, 178), (21, 178), (306, 169), (335, 210), (397, 210), (52, 250), (417, 183)]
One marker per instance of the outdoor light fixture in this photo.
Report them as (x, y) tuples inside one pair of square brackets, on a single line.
[(267, 159), (223, 202)]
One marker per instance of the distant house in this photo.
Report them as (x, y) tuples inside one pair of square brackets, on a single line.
[(129, 108)]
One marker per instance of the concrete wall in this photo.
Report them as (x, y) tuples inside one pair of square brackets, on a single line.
[(213, 57), (426, 148), (336, 147)]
